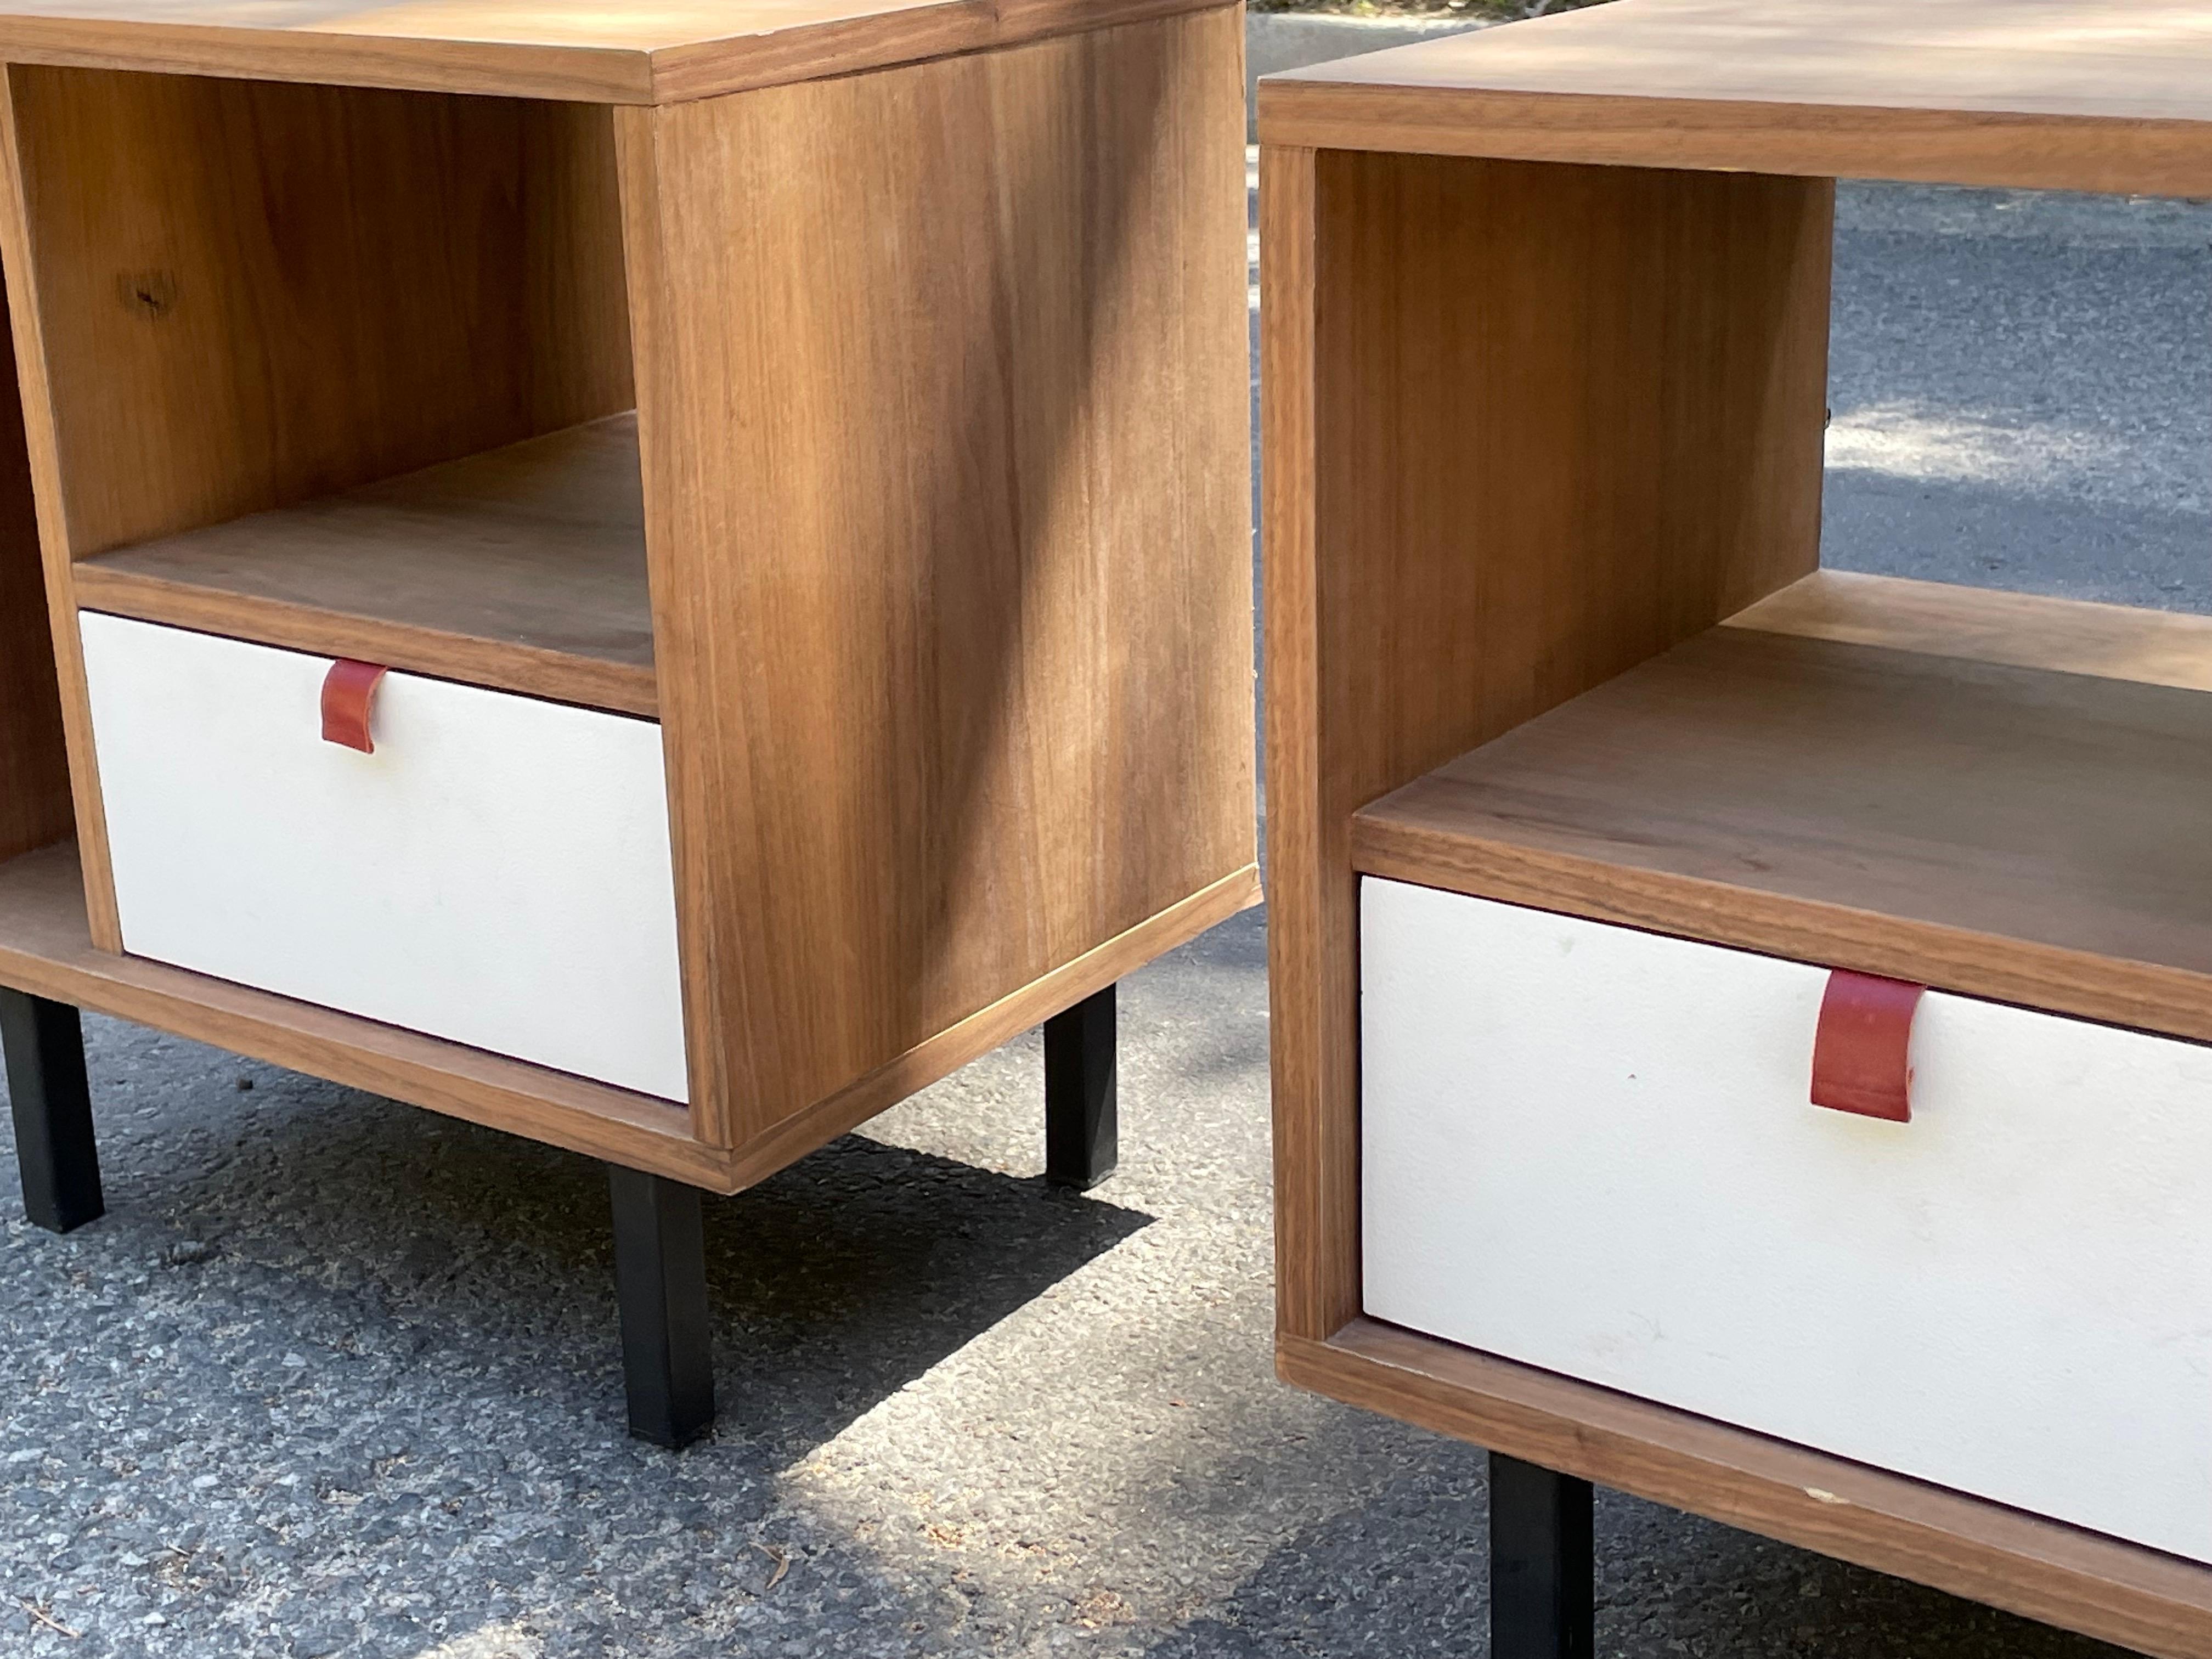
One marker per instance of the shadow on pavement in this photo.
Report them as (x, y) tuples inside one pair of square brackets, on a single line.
[(832, 1285)]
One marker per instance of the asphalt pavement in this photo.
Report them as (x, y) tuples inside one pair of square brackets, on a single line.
[(338, 1376)]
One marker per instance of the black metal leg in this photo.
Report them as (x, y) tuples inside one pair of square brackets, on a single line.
[(1082, 1136), (660, 1282), (1542, 1597), (52, 1104)]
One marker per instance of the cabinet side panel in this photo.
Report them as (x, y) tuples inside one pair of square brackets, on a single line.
[(252, 292), (1539, 423), (57, 606), (34, 785), (1310, 989), (944, 423)]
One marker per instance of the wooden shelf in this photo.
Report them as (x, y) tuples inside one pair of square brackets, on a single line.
[(664, 54), (521, 568), (1841, 776), (2052, 94)]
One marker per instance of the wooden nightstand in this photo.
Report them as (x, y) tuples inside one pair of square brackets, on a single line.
[(792, 463), (1609, 832)]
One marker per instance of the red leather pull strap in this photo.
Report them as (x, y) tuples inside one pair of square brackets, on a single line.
[(349, 692), (1860, 1062)]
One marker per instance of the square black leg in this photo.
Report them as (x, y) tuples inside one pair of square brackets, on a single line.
[(1082, 1137), (1543, 1598), (52, 1106), (660, 1283)]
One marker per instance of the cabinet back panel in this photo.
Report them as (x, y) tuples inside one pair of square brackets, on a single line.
[(253, 293)]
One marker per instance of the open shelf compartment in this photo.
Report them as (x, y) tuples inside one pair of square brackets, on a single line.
[(342, 370), (1992, 793)]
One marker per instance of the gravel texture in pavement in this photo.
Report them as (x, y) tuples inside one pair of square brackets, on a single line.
[(335, 1377)]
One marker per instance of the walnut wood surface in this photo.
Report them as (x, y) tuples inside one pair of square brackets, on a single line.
[(945, 1053), (253, 293), (980, 697), (556, 49), (522, 569), (2076, 94), (2027, 631), (1526, 426), (2120, 1592), (46, 949), (2017, 832), (34, 784), (57, 609)]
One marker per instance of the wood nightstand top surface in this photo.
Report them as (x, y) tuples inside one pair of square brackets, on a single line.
[(662, 52), (2062, 93)]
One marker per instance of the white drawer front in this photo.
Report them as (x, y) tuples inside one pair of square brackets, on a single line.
[(1591, 1150), (496, 874)]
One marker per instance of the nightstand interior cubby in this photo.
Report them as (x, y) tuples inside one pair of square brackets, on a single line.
[(343, 370)]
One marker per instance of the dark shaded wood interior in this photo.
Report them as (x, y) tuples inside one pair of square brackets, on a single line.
[(34, 783)]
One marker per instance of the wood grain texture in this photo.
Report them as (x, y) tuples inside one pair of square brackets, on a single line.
[(44, 949), (2025, 630), (59, 608), (522, 569), (1526, 426), (1312, 974), (2071, 94), (2139, 1598), (814, 38), (540, 48), (989, 1028), (253, 293), (977, 697), (2011, 833), (34, 784)]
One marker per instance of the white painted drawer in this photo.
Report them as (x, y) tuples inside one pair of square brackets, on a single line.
[(1591, 1150), (496, 874)]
